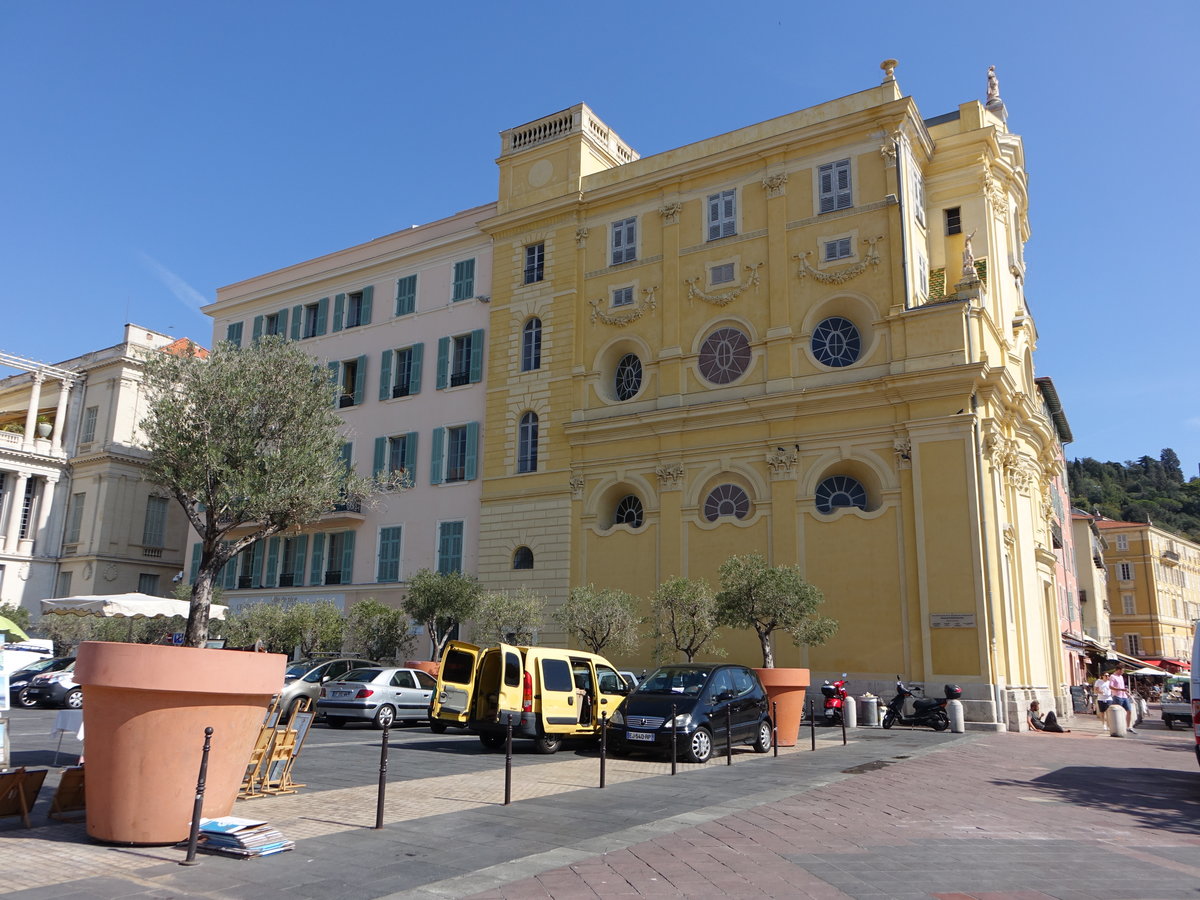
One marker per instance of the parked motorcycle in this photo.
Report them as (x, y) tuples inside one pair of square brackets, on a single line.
[(927, 711), (835, 700)]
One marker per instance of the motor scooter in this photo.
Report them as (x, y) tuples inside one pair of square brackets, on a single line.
[(926, 710), (835, 700)]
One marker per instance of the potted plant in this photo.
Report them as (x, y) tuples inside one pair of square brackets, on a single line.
[(213, 423), (44, 427), (769, 599)]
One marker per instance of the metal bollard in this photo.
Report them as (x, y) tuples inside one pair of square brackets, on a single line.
[(729, 735), (812, 719), (198, 808), (383, 763), (508, 761), (603, 744), (674, 740), (775, 728), (843, 718)]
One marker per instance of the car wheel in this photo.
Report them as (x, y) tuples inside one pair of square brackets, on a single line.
[(386, 717), (940, 721), (492, 741), (889, 719), (547, 743), (699, 746), (335, 721), (23, 699), (74, 699), (437, 726), (763, 743)]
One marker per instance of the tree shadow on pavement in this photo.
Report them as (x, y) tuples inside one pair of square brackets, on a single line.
[(1159, 798)]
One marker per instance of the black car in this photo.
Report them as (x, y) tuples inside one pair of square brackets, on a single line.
[(18, 682), (702, 698)]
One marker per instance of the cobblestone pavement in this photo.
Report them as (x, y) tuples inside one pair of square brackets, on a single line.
[(893, 814)]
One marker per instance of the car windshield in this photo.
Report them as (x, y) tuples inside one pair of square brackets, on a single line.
[(362, 675), (295, 670), (675, 680), (42, 665)]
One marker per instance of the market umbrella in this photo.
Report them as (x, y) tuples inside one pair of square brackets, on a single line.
[(130, 606), (12, 628), (1148, 670)]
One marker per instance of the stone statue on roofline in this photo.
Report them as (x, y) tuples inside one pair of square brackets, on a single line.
[(994, 104)]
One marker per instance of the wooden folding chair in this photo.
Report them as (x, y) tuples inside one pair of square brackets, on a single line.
[(19, 790), (69, 797)]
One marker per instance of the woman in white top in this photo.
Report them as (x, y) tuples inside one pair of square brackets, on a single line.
[(1103, 691)]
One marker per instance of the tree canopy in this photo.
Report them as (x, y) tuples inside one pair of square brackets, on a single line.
[(248, 443), (441, 601), (1143, 490), (378, 632), (684, 612), (510, 617), (600, 619)]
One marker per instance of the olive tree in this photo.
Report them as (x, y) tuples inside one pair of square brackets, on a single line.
[(441, 601), (261, 623), (684, 613), (379, 632), (511, 618), (769, 599), (600, 618), (316, 627), (247, 441)]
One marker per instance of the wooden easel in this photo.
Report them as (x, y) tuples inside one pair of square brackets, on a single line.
[(275, 752), (19, 790), (69, 797), (261, 751)]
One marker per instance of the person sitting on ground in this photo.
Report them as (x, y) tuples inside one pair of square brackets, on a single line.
[(1048, 724)]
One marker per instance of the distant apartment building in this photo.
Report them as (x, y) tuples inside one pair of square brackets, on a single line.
[(1153, 590), (76, 511), (1092, 578), (401, 324)]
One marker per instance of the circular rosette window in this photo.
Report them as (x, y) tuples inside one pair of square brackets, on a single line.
[(724, 356), (836, 342)]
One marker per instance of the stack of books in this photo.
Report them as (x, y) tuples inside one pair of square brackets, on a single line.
[(241, 838)]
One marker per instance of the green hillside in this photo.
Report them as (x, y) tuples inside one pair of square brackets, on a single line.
[(1146, 490)]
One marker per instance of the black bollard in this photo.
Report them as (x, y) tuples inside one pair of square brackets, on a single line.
[(674, 738), (383, 755), (603, 744), (812, 718), (197, 809), (508, 761), (729, 735), (775, 728), (843, 718)]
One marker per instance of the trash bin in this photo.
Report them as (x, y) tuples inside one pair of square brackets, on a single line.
[(868, 712)]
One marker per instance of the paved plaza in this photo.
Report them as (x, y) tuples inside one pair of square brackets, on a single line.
[(903, 813)]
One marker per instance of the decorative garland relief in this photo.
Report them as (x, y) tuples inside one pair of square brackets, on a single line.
[(621, 319), (725, 297), (841, 276)]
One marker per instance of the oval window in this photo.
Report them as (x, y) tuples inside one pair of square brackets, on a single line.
[(836, 342), (724, 356)]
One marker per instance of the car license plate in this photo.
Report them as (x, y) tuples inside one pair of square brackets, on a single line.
[(639, 736), (341, 693)]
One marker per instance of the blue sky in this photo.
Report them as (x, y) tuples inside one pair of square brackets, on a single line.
[(154, 151)]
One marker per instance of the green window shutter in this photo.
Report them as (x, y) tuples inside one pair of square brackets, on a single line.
[(380, 462), (272, 579), (389, 554), (368, 295), (256, 561), (410, 456), (282, 316), (472, 462), (443, 368), (334, 369), (297, 320), (360, 380), (258, 327), (298, 560), (348, 558), (437, 463), (196, 550), (406, 295), (322, 315), (346, 454), (318, 560), (477, 356), (339, 311), (385, 375), (416, 355), (233, 333)]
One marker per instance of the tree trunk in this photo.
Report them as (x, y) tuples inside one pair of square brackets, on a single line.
[(768, 651), (202, 590)]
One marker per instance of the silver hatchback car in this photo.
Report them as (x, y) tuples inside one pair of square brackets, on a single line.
[(377, 695), (304, 678)]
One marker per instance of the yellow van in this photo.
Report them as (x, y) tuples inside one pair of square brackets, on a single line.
[(549, 693)]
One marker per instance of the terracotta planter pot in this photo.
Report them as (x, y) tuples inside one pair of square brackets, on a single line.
[(426, 666), (145, 708), (786, 687)]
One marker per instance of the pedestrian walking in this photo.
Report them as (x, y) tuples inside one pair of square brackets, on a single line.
[(1120, 695), (1103, 691)]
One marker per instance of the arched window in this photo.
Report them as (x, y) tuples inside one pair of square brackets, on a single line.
[(628, 380), (836, 342), (531, 345), (838, 491), (726, 500), (523, 558), (527, 443), (629, 512)]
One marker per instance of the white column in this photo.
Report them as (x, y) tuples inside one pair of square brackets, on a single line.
[(45, 506), (35, 397), (60, 416), (12, 532)]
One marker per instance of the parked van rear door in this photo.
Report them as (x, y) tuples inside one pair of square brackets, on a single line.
[(456, 683), (560, 711), (511, 692)]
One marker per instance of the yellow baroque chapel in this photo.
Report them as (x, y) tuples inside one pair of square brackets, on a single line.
[(807, 338)]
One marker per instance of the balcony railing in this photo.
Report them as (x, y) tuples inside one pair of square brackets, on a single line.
[(400, 390), (333, 577), (1170, 557)]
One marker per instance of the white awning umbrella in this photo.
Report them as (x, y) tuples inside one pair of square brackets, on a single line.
[(128, 606)]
